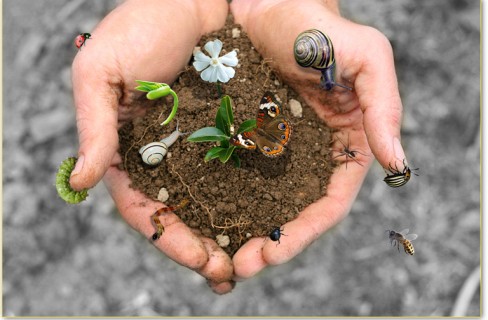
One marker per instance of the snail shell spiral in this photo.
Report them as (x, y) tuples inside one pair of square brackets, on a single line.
[(314, 49), (153, 153)]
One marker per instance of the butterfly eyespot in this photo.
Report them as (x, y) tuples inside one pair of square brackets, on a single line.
[(267, 149), (282, 126), (283, 136)]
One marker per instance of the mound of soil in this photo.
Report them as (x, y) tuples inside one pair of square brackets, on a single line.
[(226, 201)]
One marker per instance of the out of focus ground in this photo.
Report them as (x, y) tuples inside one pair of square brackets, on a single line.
[(61, 260)]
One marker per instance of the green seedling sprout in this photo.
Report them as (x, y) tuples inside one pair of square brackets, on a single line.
[(221, 134), (156, 90)]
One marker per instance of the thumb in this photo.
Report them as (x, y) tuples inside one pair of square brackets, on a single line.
[(96, 104), (377, 90)]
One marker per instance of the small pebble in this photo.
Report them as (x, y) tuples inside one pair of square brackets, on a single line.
[(163, 195), (223, 241), (236, 33), (295, 108)]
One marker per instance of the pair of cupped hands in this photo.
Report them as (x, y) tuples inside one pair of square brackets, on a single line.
[(154, 39)]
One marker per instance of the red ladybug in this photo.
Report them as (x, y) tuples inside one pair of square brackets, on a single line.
[(81, 38)]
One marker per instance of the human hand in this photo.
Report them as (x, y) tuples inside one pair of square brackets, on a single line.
[(369, 116), (146, 40)]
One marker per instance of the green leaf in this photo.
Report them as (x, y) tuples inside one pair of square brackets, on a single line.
[(147, 86), (208, 134), (224, 157), (213, 153), (225, 117), (237, 160), (220, 123), (225, 144), (247, 125)]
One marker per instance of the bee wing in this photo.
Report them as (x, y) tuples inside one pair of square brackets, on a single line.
[(411, 237), (404, 232)]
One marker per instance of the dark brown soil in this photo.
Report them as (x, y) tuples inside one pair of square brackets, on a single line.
[(238, 202)]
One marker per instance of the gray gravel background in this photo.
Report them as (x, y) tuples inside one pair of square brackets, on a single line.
[(83, 260)]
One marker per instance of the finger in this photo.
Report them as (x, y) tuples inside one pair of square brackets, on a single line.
[(320, 216), (219, 267), (249, 260), (177, 241), (313, 221), (377, 90), (222, 288), (96, 104)]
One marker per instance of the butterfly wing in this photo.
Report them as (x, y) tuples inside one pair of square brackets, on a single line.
[(269, 108), (273, 136), (272, 130), (245, 140)]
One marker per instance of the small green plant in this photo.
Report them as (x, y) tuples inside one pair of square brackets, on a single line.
[(156, 90), (221, 134)]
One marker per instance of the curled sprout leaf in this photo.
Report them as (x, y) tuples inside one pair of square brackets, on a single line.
[(156, 90), (62, 183)]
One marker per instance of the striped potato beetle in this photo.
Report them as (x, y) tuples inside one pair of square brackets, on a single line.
[(398, 178)]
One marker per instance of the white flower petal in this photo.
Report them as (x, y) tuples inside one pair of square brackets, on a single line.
[(200, 65), (200, 56), (214, 48), (201, 60), (224, 74), (230, 72), (209, 74), (230, 59)]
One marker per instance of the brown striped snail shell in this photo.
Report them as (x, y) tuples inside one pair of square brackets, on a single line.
[(314, 49), (154, 152)]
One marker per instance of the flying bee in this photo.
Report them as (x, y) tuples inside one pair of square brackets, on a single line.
[(398, 178), (403, 238), (348, 152)]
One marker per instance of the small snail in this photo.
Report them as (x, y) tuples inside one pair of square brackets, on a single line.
[(314, 49), (154, 152)]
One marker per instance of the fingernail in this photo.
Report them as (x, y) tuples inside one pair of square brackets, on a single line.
[(398, 150), (79, 165)]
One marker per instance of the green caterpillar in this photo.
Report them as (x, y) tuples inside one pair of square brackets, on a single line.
[(62, 183)]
